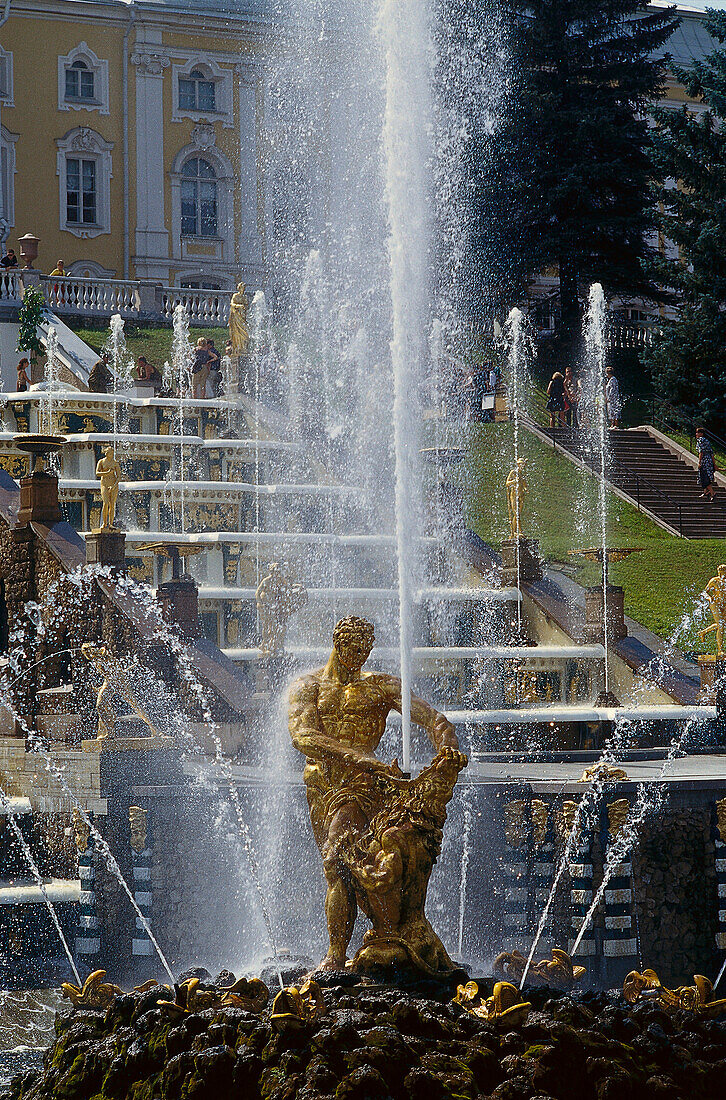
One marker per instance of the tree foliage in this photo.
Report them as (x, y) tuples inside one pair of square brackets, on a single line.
[(30, 316), (689, 362), (574, 166)]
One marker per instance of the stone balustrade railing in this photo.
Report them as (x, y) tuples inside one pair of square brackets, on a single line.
[(101, 298)]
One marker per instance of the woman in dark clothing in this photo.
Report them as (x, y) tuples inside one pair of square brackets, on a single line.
[(706, 465), (23, 377), (556, 399)]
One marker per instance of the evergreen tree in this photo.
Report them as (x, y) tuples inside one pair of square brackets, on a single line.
[(579, 164), (689, 362)]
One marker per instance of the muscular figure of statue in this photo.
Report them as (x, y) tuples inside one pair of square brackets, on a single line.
[(337, 717), (108, 471), (716, 593), (516, 489)]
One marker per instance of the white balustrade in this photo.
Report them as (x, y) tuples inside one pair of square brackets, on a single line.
[(11, 286), (205, 307)]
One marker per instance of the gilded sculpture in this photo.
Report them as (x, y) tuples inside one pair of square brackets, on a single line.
[(617, 816), (715, 592), (378, 832), (249, 994), (516, 492), (278, 598), (721, 819), (505, 1007), (602, 772), (81, 831), (559, 972), (115, 682), (239, 333), (97, 993), (108, 471), (697, 998), (138, 827), (295, 1009)]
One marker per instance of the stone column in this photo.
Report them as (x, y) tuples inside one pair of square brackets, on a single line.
[(581, 873), (594, 626), (543, 870), (88, 936), (141, 945), (152, 238), (619, 943), (106, 547), (526, 554), (250, 244), (517, 835), (718, 831)]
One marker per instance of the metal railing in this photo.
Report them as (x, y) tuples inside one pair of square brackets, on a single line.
[(584, 451), (672, 420)]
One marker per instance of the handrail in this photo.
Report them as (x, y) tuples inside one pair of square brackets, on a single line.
[(616, 467), (661, 405)]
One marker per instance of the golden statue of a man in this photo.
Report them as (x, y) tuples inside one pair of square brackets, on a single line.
[(278, 598), (239, 334), (716, 592), (337, 716), (516, 490), (108, 470)]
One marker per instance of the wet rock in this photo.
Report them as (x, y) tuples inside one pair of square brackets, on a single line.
[(199, 972), (365, 1083)]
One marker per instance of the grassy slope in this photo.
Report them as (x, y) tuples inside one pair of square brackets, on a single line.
[(562, 511), (154, 343)]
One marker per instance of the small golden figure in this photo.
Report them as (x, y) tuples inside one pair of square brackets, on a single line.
[(108, 470), (379, 834), (138, 827), (278, 598), (516, 490), (239, 334), (115, 682), (716, 592)]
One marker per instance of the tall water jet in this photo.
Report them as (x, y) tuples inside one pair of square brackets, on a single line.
[(405, 33), (595, 332), (52, 379), (121, 368), (516, 339), (182, 360)]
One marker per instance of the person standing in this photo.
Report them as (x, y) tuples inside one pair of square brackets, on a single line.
[(214, 376), (706, 465), (23, 376), (200, 369), (572, 397), (556, 399), (100, 377), (613, 398)]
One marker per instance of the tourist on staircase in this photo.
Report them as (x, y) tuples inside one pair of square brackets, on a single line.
[(706, 465), (572, 397), (556, 399), (613, 398)]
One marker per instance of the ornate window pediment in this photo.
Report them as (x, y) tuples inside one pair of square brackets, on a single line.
[(6, 78), (202, 90), (84, 169), (83, 81)]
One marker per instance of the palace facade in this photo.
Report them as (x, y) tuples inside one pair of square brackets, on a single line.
[(131, 137)]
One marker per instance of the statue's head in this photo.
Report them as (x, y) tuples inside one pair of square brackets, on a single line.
[(241, 287), (108, 453), (722, 570), (521, 462), (353, 640)]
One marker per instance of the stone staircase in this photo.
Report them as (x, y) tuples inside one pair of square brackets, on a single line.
[(655, 478)]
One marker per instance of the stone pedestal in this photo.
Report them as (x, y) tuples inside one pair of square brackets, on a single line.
[(106, 547), (594, 627), (179, 599), (39, 500), (713, 679), (530, 561)]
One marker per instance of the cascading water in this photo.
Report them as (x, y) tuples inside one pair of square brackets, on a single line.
[(35, 872), (182, 361), (122, 377), (595, 334), (404, 30), (52, 380)]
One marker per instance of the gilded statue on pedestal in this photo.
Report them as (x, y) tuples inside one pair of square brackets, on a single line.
[(108, 470), (379, 833), (278, 598), (516, 490), (716, 592), (115, 682), (239, 333)]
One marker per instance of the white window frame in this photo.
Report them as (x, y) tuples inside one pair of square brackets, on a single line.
[(7, 148), (205, 149), (222, 78), (82, 143), (6, 62), (99, 67)]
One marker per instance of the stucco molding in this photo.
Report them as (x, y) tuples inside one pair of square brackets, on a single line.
[(99, 67), (223, 79), (150, 63), (85, 143), (6, 78), (8, 166)]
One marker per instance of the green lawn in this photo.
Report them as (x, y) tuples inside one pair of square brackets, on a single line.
[(562, 511), (153, 342)]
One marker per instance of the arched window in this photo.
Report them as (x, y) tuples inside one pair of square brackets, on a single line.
[(199, 199), (196, 92), (80, 82)]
